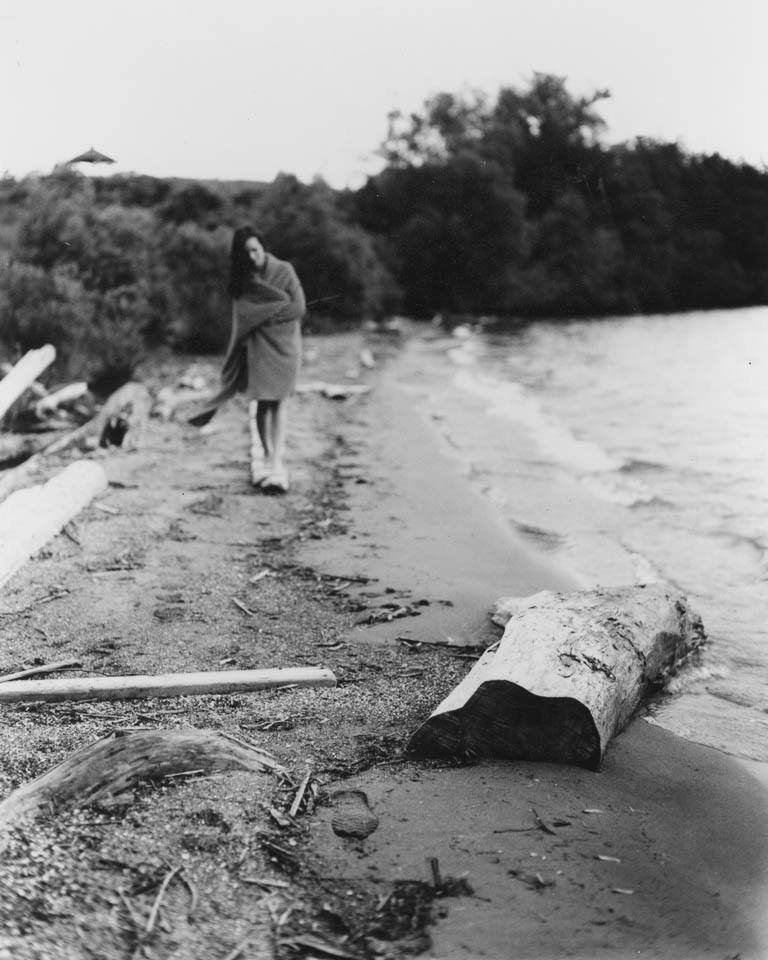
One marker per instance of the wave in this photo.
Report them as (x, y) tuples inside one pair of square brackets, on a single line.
[(511, 401)]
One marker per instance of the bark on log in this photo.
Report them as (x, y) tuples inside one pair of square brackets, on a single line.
[(165, 685), (30, 518), (119, 762), (23, 375), (568, 673)]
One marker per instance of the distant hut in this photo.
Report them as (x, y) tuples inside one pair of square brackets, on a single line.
[(90, 156)]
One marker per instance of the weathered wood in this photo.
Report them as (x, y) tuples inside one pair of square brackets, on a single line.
[(568, 673), (30, 518), (67, 394), (130, 404), (23, 375), (165, 684), (118, 763)]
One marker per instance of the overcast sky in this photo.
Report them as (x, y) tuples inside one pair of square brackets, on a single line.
[(242, 89)]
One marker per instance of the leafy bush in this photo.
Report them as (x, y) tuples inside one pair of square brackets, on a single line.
[(334, 258), (194, 263)]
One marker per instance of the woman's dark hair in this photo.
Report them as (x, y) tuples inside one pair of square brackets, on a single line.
[(240, 263)]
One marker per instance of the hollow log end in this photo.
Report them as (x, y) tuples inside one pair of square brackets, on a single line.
[(504, 721)]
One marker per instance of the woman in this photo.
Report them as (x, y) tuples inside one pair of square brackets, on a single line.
[(264, 350)]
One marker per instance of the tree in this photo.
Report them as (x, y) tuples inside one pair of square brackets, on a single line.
[(306, 224)]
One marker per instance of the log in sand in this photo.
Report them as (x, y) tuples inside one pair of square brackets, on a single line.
[(568, 673), (119, 762), (29, 518)]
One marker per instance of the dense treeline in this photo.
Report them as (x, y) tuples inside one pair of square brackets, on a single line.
[(516, 207), (513, 206)]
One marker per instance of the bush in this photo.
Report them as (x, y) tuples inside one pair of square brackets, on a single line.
[(195, 267)]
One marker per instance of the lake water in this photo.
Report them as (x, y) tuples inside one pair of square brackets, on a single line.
[(631, 449)]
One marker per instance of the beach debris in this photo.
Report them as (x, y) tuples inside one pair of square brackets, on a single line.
[(623, 890), (41, 669), (23, 374), (31, 517), (542, 824), (591, 810), (58, 398), (533, 880), (126, 409), (115, 764), (606, 859), (352, 816), (319, 945), (242, 606), (568, 674), (266, 572), (299, 797), (390, 611), (141, 686)]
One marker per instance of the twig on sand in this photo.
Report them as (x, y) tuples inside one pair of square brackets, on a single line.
[(242, 606), (54, 595), (159, 899), (43, 668), (541, 824), (300, 794), (194, 896)]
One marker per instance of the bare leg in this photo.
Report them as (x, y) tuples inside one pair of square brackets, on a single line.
[(264, 427), (279, 427), (271, 423)]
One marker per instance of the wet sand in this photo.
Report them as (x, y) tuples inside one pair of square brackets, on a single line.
[(682, 829)]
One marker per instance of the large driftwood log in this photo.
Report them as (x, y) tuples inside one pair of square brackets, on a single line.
[(119, 762), (23, 375), (143, 686), (568, 673), (30, 518)]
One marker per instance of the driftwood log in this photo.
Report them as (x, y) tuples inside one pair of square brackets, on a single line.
[(140, 686), (64, 395), (568, 673), (124, 415), (119, 762), (30, 518), (23, 375)]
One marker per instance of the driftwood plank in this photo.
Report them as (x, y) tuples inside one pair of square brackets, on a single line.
[(568, 673), (165, 685)]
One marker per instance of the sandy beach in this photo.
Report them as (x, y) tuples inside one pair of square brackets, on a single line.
[(663, 853)]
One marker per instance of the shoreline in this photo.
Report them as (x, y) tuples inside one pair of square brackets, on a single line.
[(148, 586), (420, 520)]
